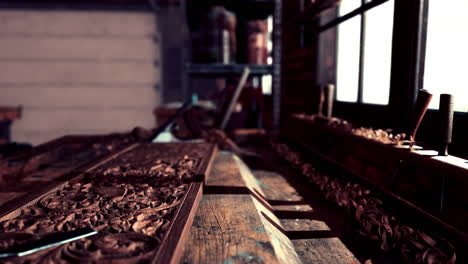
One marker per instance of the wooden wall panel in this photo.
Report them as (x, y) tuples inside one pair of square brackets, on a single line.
[(99, 24), (79, 72), (53, 123), (78, 48), (80, 96), (79, 120), (76, 72)]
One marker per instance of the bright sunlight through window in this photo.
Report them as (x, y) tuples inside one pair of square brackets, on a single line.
[(447, 52), (377, 54)]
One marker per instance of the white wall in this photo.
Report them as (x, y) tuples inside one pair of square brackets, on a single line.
[(78, 72)]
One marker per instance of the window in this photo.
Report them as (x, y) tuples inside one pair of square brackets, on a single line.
[(378, 54), (447, 53), (364, 54), (349, 42), (429, 44)]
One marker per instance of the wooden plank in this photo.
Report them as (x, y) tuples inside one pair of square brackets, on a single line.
[(304, 225), (225, 172), (284, 248), (40, 137), (227, 229), (311, 250), (293, 208), (172, 249), (247, 176), (78, 48), (8, 196), (236, 228), (72, 23), (52, 123), (206, 166), (78, 72), (81, 96), (276, 186), (324, 250)]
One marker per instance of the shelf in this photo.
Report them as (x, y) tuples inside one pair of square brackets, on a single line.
[(237, 3), (246, 9), (227, 69)]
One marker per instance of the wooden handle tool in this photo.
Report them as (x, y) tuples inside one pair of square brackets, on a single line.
[(329, 92), (445, 123), (420, 108)]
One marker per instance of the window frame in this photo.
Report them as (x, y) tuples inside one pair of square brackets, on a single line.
[(406, 76), (361, 11)]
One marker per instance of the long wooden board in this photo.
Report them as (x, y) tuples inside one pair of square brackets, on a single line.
[(321, 250), (227, 229), (234, 223)]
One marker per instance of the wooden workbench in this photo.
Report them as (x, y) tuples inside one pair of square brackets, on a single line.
[(238, 221)]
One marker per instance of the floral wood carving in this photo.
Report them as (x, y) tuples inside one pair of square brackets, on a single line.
[(130, 200), (376, 222)]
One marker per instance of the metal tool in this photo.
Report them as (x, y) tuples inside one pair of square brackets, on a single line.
[(227, 115), (46, 242)]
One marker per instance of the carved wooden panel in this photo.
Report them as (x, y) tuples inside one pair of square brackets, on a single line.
[(141, 202), (60, 156)]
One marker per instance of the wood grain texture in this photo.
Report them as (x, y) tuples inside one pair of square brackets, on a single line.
[(78, 72), (172, 249), (227, 229), (77, 63), (247, 176), (13, 207), (8, 196), (82, 96), (229, 171), (173, 241), (324, 250), (84, 48), (41, 126), (284, 249), (276, 186), (304, 224), (236, 228), (206, 166), (312, 250), (225, 172), (71, 23)]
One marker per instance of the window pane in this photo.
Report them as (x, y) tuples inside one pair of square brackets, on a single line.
[(377, 54), (347, 6), (348, 60), (447, 53)]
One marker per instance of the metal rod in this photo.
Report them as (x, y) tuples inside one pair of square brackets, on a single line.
[(47, 242), (277, 54), (362, 54), (235, 96), (352, 14), (170, 122)]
